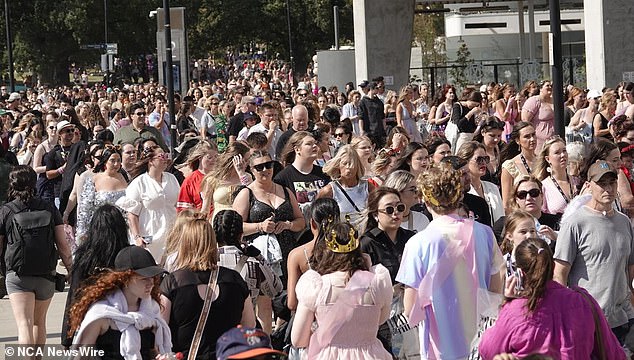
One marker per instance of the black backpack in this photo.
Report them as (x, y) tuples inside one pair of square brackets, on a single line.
[(30, 241)]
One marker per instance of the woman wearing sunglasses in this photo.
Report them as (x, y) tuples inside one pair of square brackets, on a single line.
[(405, 183), (384, 241), (150, 200), (477, 159), (269, 210), (527, 195)]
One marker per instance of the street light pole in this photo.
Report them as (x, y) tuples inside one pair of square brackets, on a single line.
[(169, 72), (556, 67), (9, 45), (105, 37), (290, 42)]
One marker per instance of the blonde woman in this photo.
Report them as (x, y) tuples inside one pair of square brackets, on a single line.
[(181, 292), (364, 148), (406, 114), (348, 187), (218, 186)]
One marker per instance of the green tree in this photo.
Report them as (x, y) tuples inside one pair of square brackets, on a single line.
[(463, 59)]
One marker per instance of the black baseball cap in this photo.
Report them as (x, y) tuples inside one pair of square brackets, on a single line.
[(138, 259)]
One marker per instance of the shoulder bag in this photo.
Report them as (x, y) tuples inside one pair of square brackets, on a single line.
[(204, 314)]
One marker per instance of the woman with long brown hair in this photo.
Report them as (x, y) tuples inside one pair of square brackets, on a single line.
[(551, 168), (150, 200), (573, 316), (347, 298), (201, 161), (517, 159), (538, 110), (119, 311)]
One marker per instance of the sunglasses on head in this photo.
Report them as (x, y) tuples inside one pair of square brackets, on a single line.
[(266, 165), (532, 192), (399, 208)]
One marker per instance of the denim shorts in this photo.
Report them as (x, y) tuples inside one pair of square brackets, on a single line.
[(41, 286)]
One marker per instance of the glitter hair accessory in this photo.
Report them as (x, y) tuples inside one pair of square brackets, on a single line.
[(429, 197), (331, 239)]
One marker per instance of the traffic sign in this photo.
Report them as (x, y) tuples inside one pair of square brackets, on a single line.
[(92, 46), (111, 48)]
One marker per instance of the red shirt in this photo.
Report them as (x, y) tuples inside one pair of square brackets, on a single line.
[(189, 197)]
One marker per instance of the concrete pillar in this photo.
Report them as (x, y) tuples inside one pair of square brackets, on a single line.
[(609, 45), (383, 40)]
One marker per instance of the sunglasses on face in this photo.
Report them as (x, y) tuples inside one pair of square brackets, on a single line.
[(67, 131), (215, 103), (389, 210), (302, 94), (266, 165), (482, 159), (532, 192), (339, 134), (139, 114)]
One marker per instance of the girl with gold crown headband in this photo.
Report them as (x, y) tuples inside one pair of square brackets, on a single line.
[(443, 269), (348, 300)]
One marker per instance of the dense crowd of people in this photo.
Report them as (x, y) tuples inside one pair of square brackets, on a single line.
[(356, 223)]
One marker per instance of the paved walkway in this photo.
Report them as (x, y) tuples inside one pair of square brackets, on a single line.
[(8, 328)]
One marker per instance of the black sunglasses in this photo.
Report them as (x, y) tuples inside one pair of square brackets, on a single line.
[(391, 209), (139, 114), (262, 166), (302, 94), (532, 192), (483, 159), (339, 134)]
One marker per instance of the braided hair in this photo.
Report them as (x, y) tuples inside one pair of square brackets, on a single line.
[(228, 227)]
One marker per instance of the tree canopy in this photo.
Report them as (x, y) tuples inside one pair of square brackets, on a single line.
[(48, 35)]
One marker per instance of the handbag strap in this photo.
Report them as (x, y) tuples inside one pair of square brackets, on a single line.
[(598, 336), (346, 195), (211, 285)]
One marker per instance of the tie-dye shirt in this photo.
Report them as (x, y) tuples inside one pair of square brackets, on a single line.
[(451, 318)]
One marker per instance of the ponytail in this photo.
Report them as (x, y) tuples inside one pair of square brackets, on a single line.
[(535, 259)]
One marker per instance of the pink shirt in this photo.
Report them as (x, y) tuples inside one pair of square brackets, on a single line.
[(561, 326), (554, 202), (543, 119)]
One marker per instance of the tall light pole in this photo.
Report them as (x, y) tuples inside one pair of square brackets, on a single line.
[(290, 42), (105, 39), (556, 67), (169, 72), (9, 45)]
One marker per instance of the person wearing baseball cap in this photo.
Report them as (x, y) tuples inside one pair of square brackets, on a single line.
[(246, 343), (119, 311), (594, 249)]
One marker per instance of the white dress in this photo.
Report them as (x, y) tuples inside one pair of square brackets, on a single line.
[(155, 205)]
